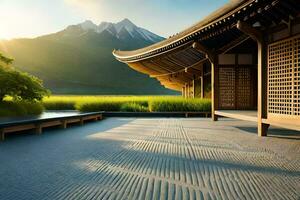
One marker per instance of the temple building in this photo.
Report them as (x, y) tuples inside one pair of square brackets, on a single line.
[(245, 56)]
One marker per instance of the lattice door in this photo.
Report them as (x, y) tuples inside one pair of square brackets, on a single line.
[(244, 98), (227, 87), (284, 77), (236, 85)]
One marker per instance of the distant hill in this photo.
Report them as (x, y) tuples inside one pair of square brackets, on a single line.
[(79, 60)]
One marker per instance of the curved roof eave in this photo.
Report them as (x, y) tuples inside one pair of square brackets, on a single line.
[(169, 44)]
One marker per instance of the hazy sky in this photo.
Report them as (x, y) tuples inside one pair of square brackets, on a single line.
[(30, 18)]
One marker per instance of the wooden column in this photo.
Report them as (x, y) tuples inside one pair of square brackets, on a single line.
[(81, 121), (182, 92), (2, 135), (64, 124), (212, 57), (262, 75), (39, 129), (214, 87), (262, 96), (186, 91), (194, 89), (202, 82)]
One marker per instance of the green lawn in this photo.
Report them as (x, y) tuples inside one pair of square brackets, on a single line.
[(126, 103)]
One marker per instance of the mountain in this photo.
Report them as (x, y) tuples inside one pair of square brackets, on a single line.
[(79, 60), (122, 29)]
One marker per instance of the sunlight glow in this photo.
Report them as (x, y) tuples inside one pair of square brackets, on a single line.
[(17, 21)]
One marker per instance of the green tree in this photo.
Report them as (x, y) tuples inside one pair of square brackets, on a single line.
[(19, 85), (5, 60)]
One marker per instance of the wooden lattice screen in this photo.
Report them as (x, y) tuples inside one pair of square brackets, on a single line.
[(227, 87), (236, 87), (284, 77)]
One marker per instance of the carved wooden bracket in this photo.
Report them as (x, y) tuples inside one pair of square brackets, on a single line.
[(249, 30)]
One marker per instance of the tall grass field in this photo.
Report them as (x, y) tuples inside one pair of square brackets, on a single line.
[(126, 103)]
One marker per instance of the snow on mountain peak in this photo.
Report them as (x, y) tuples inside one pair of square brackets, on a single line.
[(125, 23), (117, 29), (88, 25)]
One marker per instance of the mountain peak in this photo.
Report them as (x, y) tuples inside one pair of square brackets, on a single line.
[(126, 22), (121, 30), (88, 24)]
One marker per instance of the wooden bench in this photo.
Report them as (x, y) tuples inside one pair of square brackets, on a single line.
[(38, 124)]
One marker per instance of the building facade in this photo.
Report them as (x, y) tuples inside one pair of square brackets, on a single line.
[(247, 52)]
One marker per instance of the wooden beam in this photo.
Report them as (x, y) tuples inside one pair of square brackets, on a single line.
[(233, 43), (208, 53), (192, 71)]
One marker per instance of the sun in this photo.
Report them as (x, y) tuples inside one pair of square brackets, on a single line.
[(19, 21)]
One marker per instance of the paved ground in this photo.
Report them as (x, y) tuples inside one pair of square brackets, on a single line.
[(152, 159)]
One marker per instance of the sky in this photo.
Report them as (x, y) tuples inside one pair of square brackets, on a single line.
[(31, 18)]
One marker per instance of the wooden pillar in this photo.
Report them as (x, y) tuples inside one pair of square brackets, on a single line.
[(262, 76), (2, 135), (214, 87), (182, 92), (202, 82), (64, 124), (193, 89), (39, 129), (186, 91), (213, 58), (262, 88)]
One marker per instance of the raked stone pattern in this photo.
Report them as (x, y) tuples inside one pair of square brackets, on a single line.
[(123, 158)]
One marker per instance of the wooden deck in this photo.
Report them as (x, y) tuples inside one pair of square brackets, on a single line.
[(251, 115), (37, 124), (246, 115)]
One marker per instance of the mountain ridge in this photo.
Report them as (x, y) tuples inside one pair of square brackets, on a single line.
[(79, 60)]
